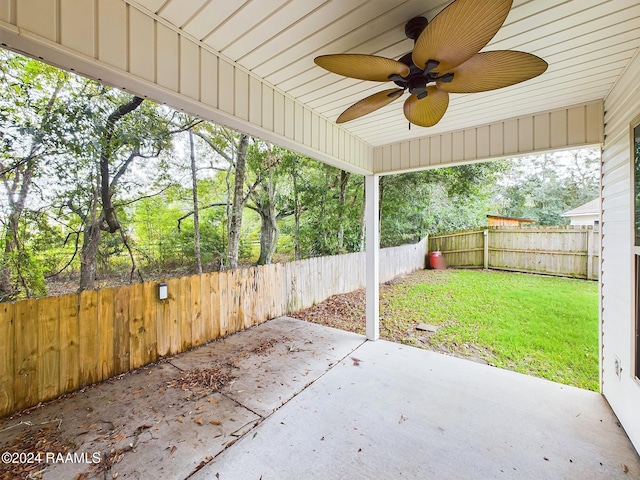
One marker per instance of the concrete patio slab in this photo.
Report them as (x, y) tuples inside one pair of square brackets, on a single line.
[(401, 412), (149, 424), (307, 401)]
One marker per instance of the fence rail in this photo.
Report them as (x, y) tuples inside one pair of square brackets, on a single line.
[(55, 345), (565, 251)]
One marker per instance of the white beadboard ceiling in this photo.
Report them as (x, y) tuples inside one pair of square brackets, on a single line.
[(587, 43)]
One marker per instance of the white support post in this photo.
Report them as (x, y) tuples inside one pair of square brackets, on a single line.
[(372, 257)]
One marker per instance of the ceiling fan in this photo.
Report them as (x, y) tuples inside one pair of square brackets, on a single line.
[(444, 60)]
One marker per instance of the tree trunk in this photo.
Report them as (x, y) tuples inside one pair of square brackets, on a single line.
[(91, 235), (90, 243), (106, 187), (8, 289), (196, 211), (296, 217), (268, 233), (235, 219), (17, 191), (344, 181)]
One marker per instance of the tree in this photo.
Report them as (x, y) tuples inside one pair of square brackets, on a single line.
[(232, 147), (544, 187), (419, 203), (34, 125), (120, 131), (196, 210)]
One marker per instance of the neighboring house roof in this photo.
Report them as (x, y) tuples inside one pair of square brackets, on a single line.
[(521, 220), (589, 208)]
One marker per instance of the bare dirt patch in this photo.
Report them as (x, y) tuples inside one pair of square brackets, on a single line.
[(347, 312)]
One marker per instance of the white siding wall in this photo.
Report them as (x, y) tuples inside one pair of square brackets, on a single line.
[(622, 107), (585, 219), (124, 46), (572, 127)]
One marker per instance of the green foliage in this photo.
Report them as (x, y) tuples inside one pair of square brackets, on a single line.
[(332, 209), (544, 187), (433, 201)]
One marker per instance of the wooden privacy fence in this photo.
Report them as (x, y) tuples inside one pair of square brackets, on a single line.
[(572, 251), (55, 345)]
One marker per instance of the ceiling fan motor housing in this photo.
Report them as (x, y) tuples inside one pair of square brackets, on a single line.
[(414, 27)]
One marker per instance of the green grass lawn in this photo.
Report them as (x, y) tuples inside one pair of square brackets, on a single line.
[(537, 325), (542, 326)]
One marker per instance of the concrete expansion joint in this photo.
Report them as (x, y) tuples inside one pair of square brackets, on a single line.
[(262, 418)]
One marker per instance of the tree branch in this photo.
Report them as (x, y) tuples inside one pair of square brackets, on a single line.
[(187, 215)]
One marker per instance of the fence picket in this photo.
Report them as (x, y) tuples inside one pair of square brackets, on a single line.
[(197, 319), (26, 354), (184, 318), (106, 332), (121, 328), (136, 340), (175, 315), (214, 285), (48, 367), (224, 302), (150, 322), (7, 357), (69, 342), (88, 336)]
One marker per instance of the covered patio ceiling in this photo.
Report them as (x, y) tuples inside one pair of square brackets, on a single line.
[(587, 44), (248, 64)]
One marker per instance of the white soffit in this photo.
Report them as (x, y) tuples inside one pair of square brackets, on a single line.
[(587, 43)]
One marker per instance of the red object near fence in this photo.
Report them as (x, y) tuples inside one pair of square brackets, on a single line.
[(437, 261)]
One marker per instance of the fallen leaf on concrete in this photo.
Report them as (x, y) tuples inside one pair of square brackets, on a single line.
[(198, 421), (32, 440), (146, 426), (215, 422), (356, 361), (180, 419), (135, 392), (173, 449), (625, 469), (213, 378), (265, 346)]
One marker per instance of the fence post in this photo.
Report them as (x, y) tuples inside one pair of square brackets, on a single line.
[(589, 253), (486, 249)]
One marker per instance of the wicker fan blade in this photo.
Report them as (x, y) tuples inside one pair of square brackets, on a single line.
[(370, 104), (363, 67), (427, 111), (459, 31), (492, 70)]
